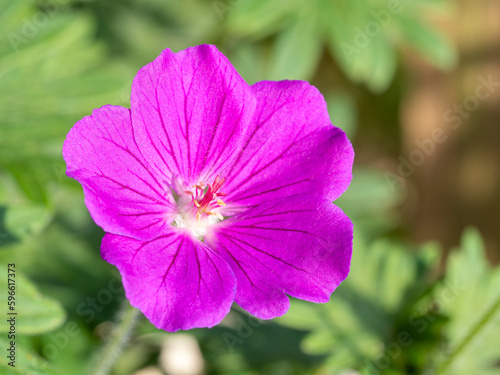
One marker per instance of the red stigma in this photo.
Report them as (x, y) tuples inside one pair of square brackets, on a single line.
[(205, 201)]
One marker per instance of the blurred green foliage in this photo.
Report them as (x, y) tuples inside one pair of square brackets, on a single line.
[(37, 314), (397, 313)]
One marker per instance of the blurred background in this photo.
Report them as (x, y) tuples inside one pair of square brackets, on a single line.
[(414, 84)]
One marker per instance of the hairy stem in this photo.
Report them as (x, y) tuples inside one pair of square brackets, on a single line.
[(108, 354)]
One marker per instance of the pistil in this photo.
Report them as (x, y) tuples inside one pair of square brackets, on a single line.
[(205, 199)]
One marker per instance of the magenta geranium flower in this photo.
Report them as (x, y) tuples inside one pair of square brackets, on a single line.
[(212, 191)]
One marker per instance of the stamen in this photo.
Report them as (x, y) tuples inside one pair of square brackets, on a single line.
[(206, 197)]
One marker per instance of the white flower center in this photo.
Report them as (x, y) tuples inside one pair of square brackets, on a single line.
[(197, 228), (198, 209)]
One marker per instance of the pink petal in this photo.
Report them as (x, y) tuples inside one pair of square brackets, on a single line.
[(124, 196), (300, 246), (176, 282), (291, 149), (189, 111)]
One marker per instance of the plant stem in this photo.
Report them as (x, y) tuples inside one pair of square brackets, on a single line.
[(127, 317)]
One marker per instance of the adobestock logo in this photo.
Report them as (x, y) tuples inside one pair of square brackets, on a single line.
[(243, 331), (483, 91), (223, 6), (380, 20), (455, 115), (60, 339), (421, 321), (31, 26)]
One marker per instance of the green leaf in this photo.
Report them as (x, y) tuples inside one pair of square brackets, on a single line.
[(297, 50), (385, 278), (27, 362), (35, 313), (384, 63), (471, 298), (51, 77), (23, 220), (370, 200), (248, 59), (258, 18), (343, 112), (428, 42), (365, 54)]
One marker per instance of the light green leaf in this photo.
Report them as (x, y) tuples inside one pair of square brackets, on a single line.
[(343, 34), (343, 112), (35, 313), (370, 201), (365, 44), (384, 63), (27, 362), (258, 18), (248, 59), (360, 45), (297, 50), (360, 318), (428, 42), (50, 78), (23, 220), (470, 296)]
